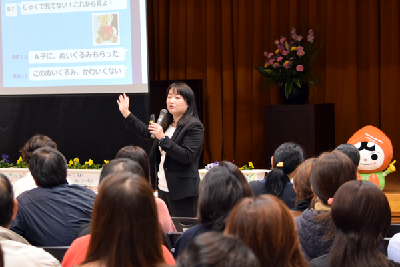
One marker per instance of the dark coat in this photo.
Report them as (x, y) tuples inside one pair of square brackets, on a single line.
[(182, 154), (312, 235)]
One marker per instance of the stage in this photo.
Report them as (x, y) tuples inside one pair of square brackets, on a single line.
[(392, 192)]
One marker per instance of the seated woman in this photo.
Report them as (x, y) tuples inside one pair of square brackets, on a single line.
[(216, 249), (302, 186), (287, 157), (361, 217), (266, 225), (222, 187), (137, 154), (314, 226), (125, 229)]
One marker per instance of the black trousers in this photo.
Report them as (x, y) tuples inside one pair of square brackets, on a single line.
[(185, 207)]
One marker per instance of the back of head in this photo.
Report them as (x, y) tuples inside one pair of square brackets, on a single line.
[(34, 143), (137, 154), (6, 201), (350, 151), (287, 158), (48, 167), (222, 187), (120, 165), (125, 229), (329, 171), (216, 249), (302, 180), (266, 225), (361, 216)]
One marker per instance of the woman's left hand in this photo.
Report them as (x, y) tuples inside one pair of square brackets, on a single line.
[(157, 130)]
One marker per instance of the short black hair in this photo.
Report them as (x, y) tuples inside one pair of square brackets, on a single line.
[(222, 187), (6, 201), (121, 165), (48, 167), (350, 151), (137, 154)]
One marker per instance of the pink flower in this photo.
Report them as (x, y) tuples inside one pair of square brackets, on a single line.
[(283, 39), (265, 53), (276, 42), (299, 68), (299, 38), (270, 55), (285, 65), (284, 52), (279, 59), (271, 61), (300, 53), (298, 48), (310, 36)]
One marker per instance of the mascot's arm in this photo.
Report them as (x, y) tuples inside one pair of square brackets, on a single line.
[(390, 169), (374, 179)]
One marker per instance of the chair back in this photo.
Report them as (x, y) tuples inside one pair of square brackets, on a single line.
[(56, 252), (172, 237), (183, 223)]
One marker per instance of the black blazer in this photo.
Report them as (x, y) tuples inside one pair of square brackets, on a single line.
[(183, 151)]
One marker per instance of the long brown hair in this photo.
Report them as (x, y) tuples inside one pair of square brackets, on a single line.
[(329, 171), (266, 225), (125, 228), (361, 216), (302, 181)]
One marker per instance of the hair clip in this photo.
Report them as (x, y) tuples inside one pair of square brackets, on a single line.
[(279, 165), (330, 201)]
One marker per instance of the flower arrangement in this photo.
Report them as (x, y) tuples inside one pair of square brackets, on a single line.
[(5, 163), (247, 168), (292, 62), (72, 164)]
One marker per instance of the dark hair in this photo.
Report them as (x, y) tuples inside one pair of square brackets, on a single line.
[(222, 187), (291, 155), (187, 93), (120, 165), (350, 151), (216, 249), (48, 167), (138, 155), (34, 143), (361, 216), (266, 225), (125, 228), (6, 201), (302, 181)]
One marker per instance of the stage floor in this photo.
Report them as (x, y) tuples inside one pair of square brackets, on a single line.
[(392, 192)]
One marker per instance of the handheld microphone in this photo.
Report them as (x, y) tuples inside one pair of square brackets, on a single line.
[(160, 119)]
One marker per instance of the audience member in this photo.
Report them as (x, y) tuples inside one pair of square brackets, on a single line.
[(361, 217), (353, 153), (50, 214), (302, 186), (138, 155), (16, 251), (125, 229), (127, 165), (329, 172), (222, 187), (287, 157), (216, 249), (266, 225), (27, 182)]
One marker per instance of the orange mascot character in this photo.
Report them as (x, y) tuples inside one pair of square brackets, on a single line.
[(376, 152)]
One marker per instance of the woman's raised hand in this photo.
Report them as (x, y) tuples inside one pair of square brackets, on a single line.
[(123, 103)]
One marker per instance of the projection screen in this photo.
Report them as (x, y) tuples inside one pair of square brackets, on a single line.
[(73, 47)]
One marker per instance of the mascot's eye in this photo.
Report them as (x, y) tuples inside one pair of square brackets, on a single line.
[(374, 156)]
